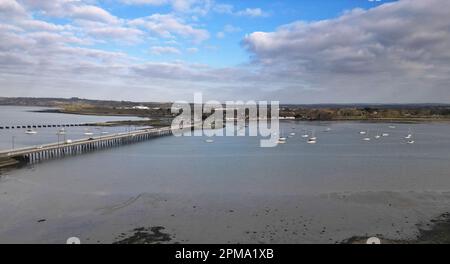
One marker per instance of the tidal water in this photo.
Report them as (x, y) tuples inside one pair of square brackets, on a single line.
[(233, 191), (24, 116)]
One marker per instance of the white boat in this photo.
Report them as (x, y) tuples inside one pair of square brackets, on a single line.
[(409, 136), (385, 134), (313, 136), (312, 141), (209, 141), (62, 131), (378, 135), (305, 134), (282, 139), (363, 132), (367, 138), (292, 134), (411, 142), (392, 127), (30, 132), (88, 132)]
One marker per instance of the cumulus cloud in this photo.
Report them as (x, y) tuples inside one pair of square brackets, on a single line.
[(400, 49), (157, 50), (185, 6), (230, 10), (169, 26), (397, 52), (227, 29), (11, 8), (252, 12)]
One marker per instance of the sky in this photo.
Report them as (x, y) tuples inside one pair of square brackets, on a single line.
[(293, 51)]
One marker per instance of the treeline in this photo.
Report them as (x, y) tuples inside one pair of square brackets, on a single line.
[(367, 113)]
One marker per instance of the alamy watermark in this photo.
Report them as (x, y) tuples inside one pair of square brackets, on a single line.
[(213, 119)]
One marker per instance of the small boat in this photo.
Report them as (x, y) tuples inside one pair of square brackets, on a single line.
[(313, 136), (209, 141), (282, 140), (328, 129), (378, 136), (62, 131), (411, 142), (30, 132), (88, 132), (305, 134), (312, 141), (385, 134), (367, 138), (409, 136), (292, 134), (363, 132), (392, 127)]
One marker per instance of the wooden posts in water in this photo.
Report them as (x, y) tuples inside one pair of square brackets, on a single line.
[(45, 126)]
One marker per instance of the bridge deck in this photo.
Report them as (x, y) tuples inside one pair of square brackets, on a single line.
[(139, 135)]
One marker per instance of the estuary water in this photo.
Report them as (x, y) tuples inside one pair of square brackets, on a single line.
[(233, 191), (27, 116)]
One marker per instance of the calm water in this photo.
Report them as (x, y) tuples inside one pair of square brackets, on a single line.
[(20, 116), (234, 191)]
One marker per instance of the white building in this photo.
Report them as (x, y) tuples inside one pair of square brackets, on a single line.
[(141, 107)]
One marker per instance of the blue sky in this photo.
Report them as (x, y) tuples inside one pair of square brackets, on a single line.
[(227, 51), (295, 51), (222, 50)]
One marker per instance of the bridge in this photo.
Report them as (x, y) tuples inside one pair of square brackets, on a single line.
[(35, 154)]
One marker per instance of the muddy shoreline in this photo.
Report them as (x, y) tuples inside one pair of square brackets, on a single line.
[(437, 231)]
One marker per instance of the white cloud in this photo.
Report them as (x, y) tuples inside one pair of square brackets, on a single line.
[(157, 50), (169, 26), (40, 25), (11, 8), (220, 35), (75, 9), (201, 7), (230, 10), (120, 34), (252, 12), (227, 29), (397, 51)]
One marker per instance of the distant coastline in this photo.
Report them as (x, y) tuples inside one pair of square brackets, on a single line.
[(161, 111)]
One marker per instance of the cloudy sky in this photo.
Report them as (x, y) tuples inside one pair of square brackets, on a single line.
[(295, 51)]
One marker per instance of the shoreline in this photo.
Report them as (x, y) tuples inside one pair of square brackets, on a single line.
[(438, 232), (356, 119)]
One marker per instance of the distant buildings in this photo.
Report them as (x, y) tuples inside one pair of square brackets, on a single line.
[(141, 107)]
